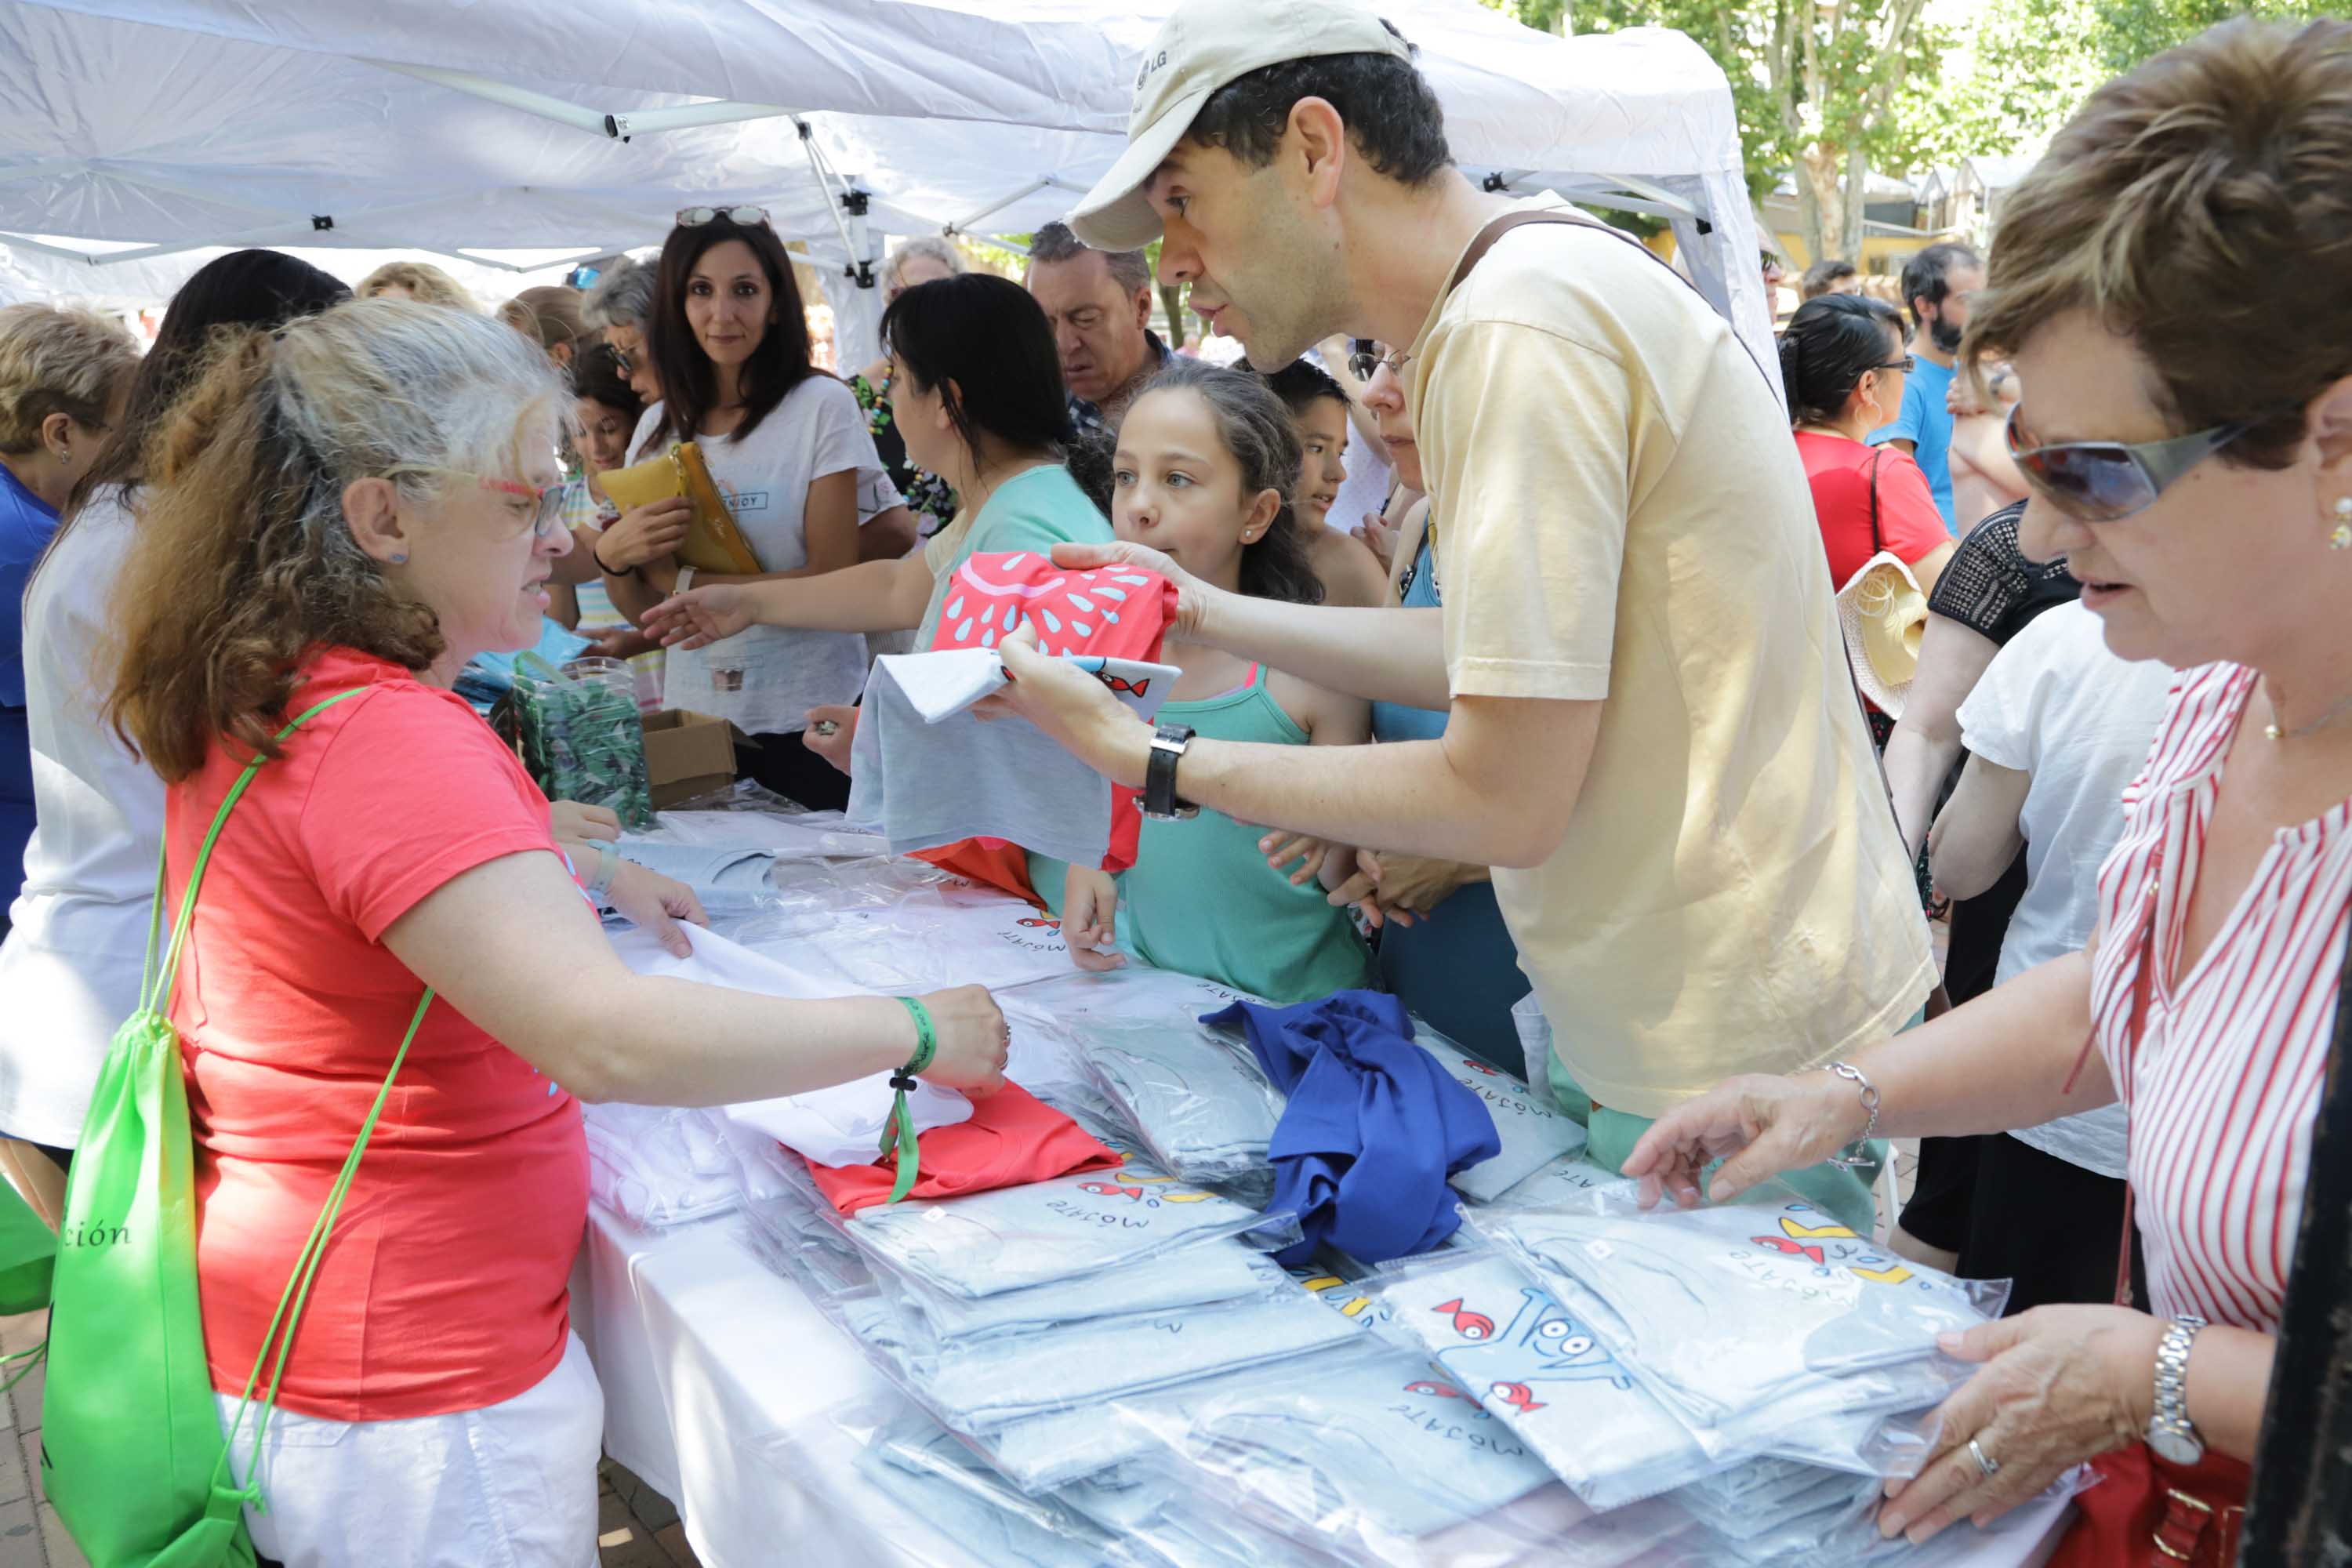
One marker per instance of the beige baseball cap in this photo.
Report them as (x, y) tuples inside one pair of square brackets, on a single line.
[(1200, 48)]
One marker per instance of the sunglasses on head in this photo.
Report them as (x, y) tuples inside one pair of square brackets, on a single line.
[(2103, 481), (695, 218)]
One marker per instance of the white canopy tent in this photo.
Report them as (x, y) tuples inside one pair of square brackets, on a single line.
[(155, 132)]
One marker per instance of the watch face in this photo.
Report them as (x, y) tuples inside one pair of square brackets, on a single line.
[(2175, 1445)]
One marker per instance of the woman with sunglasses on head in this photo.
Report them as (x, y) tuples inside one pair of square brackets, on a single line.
[(2193, 467), (788, 450), (336, 517)]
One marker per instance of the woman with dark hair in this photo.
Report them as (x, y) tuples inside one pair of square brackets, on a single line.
[(605, 403), (70, 969), (977, 386), (1351, 575), (788, 450), (1207, 461), (1841, 365)]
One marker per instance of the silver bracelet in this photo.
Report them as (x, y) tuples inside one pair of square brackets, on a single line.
[(1858, 1152)]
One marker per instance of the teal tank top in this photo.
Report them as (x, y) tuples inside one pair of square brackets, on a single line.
[(1201, 899)]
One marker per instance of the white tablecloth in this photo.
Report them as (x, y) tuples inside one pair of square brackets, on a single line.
[(722, 1382)]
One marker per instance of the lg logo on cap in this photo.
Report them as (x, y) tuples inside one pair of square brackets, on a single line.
[(1150, 63)]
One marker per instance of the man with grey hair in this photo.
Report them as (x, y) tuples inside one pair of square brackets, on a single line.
[(620, 305), (1098, 303)]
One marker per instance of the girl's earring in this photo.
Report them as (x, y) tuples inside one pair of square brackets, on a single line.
[(2341, 538), (400, 558)]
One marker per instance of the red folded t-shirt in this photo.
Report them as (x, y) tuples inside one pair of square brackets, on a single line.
[(1012, 1138)]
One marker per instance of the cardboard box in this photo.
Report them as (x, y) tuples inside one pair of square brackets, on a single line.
[(688, 755)]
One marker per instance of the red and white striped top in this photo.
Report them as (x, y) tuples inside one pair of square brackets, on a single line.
[(2224, 1083)]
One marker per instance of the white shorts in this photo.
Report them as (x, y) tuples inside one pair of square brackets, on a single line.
[(512, 1486)]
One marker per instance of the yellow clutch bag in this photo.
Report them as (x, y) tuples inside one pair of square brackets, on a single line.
[(713, 543)]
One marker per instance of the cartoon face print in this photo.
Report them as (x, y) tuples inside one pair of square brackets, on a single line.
[(1542, 1344), (1831, 1243)]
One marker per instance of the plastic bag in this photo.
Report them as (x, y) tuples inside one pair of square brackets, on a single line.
[(1191, 1277), (582, 738), (658, 1165), (1533, 1130), (1199, 1104), (956, 1493), (1751, 1320), (978, 1385), (1510, 1346), (1360, 1454)]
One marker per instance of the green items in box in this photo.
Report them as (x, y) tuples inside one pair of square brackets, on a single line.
[(581, 735)]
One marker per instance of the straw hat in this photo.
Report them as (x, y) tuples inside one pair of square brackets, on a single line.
[(1882, 612)]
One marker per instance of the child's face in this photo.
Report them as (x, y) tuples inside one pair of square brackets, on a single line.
[(1176, 487), (1323, 431)]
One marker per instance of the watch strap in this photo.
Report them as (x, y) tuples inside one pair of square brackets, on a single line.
[(2171, 1411), (1160, 800)]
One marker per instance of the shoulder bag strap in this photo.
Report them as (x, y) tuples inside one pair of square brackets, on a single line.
[(1878, 543), (1483, 241), (226, 1497)]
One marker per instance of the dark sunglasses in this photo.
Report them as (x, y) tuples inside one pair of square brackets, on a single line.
[(2102, 482)]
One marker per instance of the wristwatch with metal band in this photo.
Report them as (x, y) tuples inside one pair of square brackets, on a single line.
[(1160, 802), (2168, 1431)]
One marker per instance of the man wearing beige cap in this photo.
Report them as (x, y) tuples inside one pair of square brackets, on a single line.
[(1651, 732)]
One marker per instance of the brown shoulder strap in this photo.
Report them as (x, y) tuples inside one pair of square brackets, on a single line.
[(1483, 241)]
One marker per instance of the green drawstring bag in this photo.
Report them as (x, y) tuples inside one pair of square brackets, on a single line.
[(29, 1251), (132, 1456)]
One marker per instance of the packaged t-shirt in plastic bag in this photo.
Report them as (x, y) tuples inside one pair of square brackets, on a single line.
[(1200, 1105), (1754, 1319), (657, 1165), (1191, 1277), (978, 1385), (1533, 1130), (1362, 1454), (937, 1479), (1543, 1376)]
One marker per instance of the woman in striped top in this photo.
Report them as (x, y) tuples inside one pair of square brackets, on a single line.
[(2169, 285)]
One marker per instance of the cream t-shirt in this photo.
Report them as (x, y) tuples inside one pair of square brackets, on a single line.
[(1620, 515)]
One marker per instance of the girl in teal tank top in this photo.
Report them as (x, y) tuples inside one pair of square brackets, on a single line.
[(1207, 461)]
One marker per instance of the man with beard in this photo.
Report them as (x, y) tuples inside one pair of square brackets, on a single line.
[(1937, 283), (1650, 731)]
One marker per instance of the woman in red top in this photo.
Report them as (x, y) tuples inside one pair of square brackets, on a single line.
[(1842, 364), (361, 502)]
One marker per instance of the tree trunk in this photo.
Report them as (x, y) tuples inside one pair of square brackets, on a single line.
[(1820, 202), (1857, 203)]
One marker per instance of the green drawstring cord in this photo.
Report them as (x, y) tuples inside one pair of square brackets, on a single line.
[(900, 1127)]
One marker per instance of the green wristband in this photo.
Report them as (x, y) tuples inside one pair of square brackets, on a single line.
[(927, 1038)]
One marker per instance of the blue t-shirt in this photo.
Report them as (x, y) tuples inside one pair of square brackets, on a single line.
[(1925, 421), (26, 525)]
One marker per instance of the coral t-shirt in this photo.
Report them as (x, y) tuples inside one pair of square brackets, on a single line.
[(1840, 474), (443, 1287)]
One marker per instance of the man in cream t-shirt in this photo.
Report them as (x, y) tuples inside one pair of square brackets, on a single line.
[(1651, 732)]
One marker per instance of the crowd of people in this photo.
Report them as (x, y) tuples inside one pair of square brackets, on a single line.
[(1535, 651)]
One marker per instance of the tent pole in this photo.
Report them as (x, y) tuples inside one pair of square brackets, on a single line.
[(18, 241), (860, 266), (644, 122), (1041, 182), (46, 170), (546, 107)]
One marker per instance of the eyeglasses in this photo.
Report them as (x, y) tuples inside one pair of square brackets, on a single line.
[(1904, 365), (1366, 359), (2103, 481), (545, 522), (695, 218), (623, 363)]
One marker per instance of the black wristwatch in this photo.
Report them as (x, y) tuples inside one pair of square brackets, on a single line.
[(1161, 801)]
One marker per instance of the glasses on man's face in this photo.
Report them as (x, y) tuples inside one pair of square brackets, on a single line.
[(1368, 358), (743, 217), (2104, 481), (546, 518)]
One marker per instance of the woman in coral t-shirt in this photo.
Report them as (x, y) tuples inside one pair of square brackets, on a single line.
[(361, 503), (1841, 364)]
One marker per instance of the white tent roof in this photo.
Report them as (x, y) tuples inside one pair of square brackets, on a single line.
[(180, 126)]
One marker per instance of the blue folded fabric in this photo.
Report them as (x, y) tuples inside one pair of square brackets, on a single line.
[(1374, 1128)]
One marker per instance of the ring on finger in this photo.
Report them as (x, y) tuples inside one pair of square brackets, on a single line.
[(1987, 1466)]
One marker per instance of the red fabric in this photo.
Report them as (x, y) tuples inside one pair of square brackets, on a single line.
[(1908, 522), (1118, 612), (989, 861), (444, 1286), (2117, 1520), (1012, 1138)]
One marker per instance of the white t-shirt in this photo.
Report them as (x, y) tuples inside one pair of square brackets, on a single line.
[(2056, 705), (70, 968), (817, 430)]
